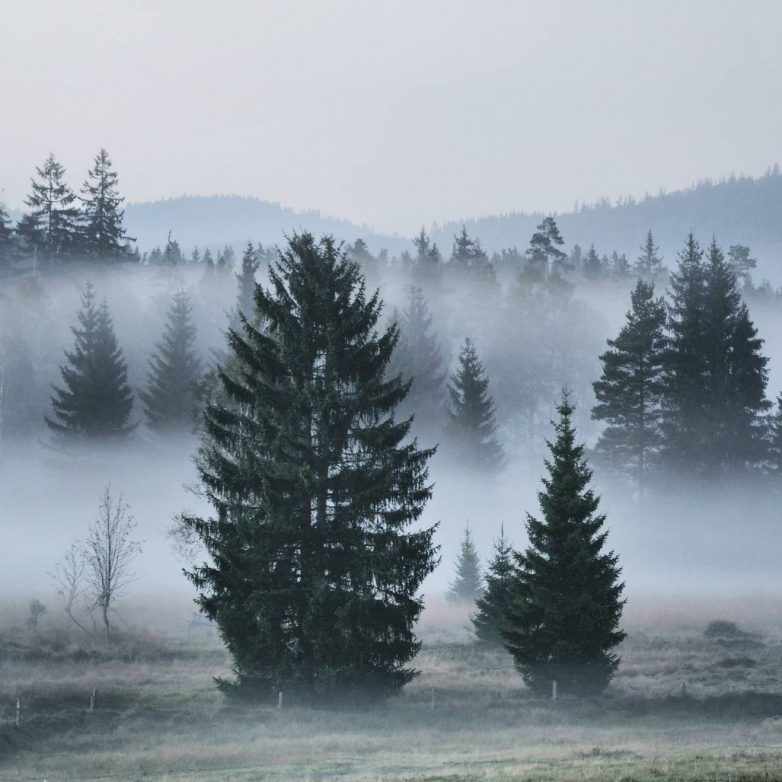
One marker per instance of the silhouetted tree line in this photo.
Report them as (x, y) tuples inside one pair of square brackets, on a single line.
[(683, 388)]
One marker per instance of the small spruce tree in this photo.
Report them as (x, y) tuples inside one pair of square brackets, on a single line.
[(472, 422), (649, 265), (175, 371), (562, 624), (468, 584), (95, 401), (494, 603)]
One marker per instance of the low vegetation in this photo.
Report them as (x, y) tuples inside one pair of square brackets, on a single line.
[(684, 704)]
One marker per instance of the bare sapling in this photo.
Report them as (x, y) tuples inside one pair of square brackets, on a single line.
[(69, 576), (109, 552)]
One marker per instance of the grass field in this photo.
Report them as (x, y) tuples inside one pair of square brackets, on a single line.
[(683, 706)]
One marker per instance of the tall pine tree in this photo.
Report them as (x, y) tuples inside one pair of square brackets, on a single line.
[(313, 571), (175, 371), (736, 374), (102, 231), (95, 401), (685, 420), (472, 421), (50, 227), (629, 392), (468, 584), (544, 255), (566, 595), (495, 601)]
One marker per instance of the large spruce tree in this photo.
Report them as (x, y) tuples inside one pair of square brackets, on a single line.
[(175, 371), (562, 624), (472, 422), (102, 231), (468, 584), (495, 601), (313, 570), (95, 401), (50, 227), (629, 391)]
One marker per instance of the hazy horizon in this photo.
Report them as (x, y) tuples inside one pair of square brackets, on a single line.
[(373, 114)]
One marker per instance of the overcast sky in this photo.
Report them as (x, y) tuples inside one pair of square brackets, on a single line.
[(392, 113)]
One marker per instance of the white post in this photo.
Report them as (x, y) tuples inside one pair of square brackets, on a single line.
[(18, 710), (92, 701), (279, 700), (554, 690)]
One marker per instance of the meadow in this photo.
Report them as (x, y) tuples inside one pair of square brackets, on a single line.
[(688, 703)]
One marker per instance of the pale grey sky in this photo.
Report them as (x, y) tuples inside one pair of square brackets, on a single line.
[(392, 113)]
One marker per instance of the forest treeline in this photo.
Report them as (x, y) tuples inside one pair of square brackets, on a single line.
[(488, 341)]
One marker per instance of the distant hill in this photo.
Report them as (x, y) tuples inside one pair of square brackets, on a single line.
[(214, 221), (739, 210)]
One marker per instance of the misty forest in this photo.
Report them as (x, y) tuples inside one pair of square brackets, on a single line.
[(390, 391), (250, 483)]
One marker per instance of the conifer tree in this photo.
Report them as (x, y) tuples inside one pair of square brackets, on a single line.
[(418, 357), (566, 603), (469, 260), (544, 255), (359, 252), (427, 265), (741, 263), (96, 401), (313, 570), (774, 434), (649, 265), (736, 374), (175, 370), (629, 392), (592, 266), (468, 584), (494, 603), (7, 241), (246, 281), (620, 267), (225, 262), (685, 420), (102, 231), (17, 380), (472, 421), (50, 228)]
